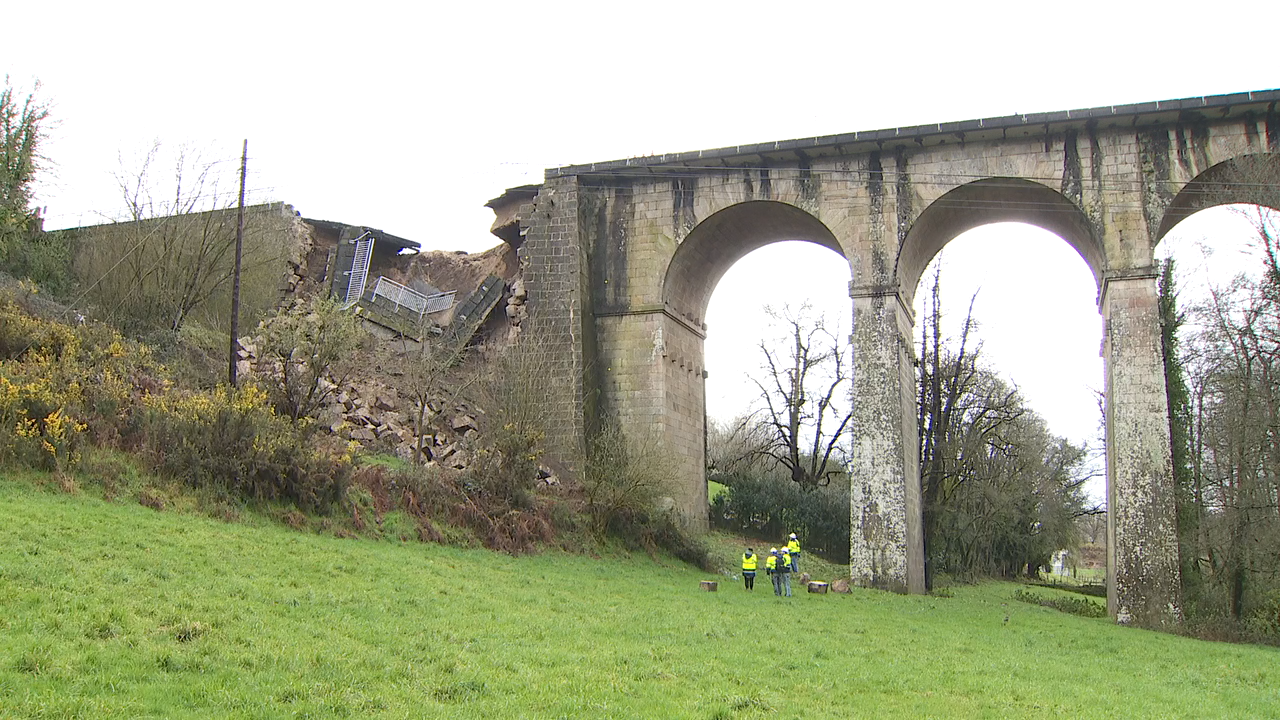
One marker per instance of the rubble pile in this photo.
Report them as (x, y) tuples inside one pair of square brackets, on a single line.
[(516, 310), (374, 414)]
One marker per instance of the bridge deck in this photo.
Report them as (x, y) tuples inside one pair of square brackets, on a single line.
[(1258, 102)]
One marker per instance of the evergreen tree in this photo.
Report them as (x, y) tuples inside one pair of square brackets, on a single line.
[(1187, 497), (21, 132)]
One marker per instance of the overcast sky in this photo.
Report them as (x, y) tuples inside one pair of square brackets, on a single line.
[(409, 117)]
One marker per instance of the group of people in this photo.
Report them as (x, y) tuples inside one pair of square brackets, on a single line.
[(780, 564)]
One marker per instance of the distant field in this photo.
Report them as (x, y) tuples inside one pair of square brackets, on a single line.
[(715, 489), (117, 611)]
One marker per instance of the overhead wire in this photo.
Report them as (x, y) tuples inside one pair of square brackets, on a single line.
[(156, 226), (1188, 189), (71, 306), (990, 179), (117, 216)]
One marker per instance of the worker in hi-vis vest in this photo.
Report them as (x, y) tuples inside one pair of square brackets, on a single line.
[(784, 571), (793, 549), (749, 561), (771, 567)]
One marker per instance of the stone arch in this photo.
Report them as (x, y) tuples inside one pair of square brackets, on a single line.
[(887, 549), (655, 375), (724, 238), (993, 200), (1250, 178)]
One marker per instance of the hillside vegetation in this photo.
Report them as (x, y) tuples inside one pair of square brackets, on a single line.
[(115, 610)]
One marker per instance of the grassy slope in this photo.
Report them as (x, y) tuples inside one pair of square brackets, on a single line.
[(114, 610)]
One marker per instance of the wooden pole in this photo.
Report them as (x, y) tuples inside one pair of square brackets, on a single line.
[(235, 281)]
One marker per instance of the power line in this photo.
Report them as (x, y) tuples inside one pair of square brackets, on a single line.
[(119, 215)]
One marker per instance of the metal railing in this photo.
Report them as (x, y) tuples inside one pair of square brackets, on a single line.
[(406, 297), (359, 268)]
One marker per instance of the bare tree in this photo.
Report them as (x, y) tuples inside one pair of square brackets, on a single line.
[(1000, 493), (737, 445), (422, 369), (1240, 399), (801, 393), (1093, 527), (1228, 353), (174, 255)]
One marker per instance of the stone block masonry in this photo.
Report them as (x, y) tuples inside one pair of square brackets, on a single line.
[(621, 258), (552, 265)]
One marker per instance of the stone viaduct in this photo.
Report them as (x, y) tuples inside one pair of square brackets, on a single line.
[(620, 259)]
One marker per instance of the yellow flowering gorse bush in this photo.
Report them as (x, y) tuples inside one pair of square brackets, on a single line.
[(61, 387)]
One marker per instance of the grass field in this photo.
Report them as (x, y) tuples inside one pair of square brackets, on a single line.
[(715, 490), (113, 610)]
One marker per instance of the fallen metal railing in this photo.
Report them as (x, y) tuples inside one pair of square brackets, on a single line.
[(402, 296)]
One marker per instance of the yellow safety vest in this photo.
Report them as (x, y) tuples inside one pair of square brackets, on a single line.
[(793, 546), (771, 563), (749, 561)]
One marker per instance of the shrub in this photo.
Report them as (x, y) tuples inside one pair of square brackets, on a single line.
[(1075, 606), (62, 386), (21, 334), (59, 383), (1264, 617), (624, 478), (382, 499), (772, 505), (1222, 628), (308, 343), (506, 470), (36, 427), (1099, 591), (45, 259), (235, 441)]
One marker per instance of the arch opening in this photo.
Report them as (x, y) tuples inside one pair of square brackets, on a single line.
[(1223, 263), (1040, 330), (988, 201), (724, 238), (709, 250), (1037, 333), (784, 272), (1247, 179)]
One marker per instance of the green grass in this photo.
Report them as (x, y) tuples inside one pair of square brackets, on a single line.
[(114, 610), (715, 490)]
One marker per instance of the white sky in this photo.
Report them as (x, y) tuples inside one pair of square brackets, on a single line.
[(1037, 310), (409, 117)]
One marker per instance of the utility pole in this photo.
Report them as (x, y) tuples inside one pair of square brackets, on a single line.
[(235, 281)]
